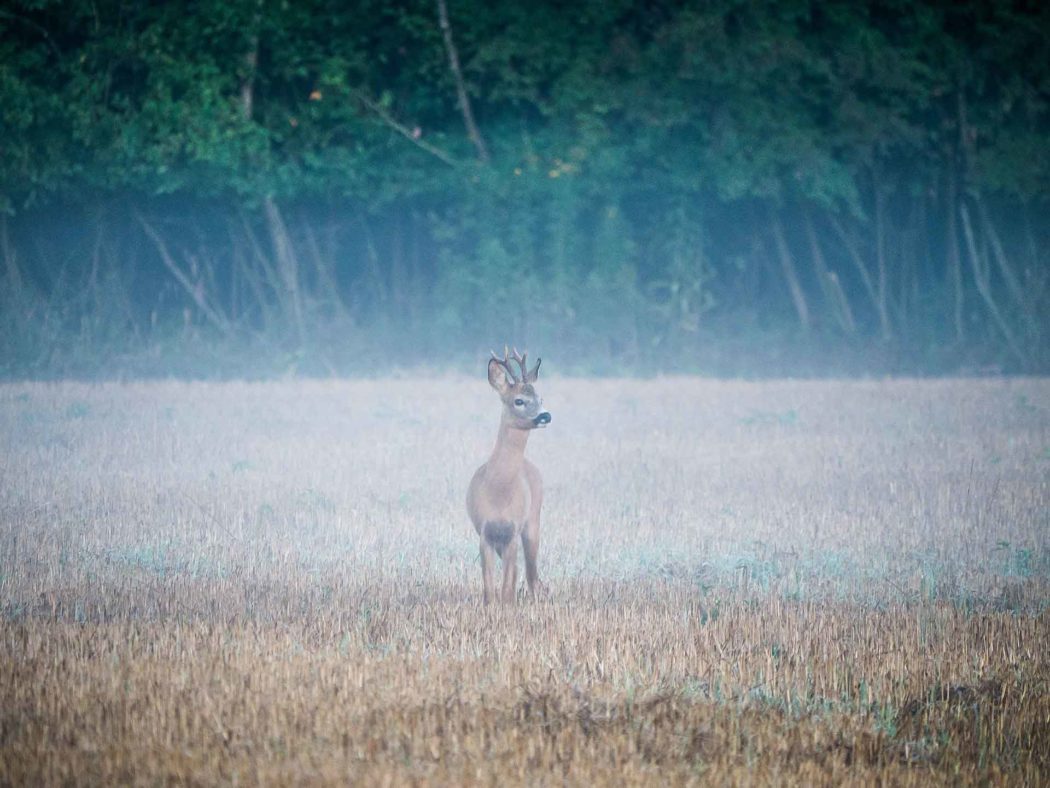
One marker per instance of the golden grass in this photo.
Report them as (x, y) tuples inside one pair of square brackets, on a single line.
[(818, 582)]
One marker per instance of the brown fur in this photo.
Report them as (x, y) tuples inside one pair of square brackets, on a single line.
[(506, 493)]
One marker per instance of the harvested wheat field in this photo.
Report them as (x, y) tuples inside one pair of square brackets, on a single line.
[(277, 583)]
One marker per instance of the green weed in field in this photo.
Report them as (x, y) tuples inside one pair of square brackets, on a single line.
[(78, 410)]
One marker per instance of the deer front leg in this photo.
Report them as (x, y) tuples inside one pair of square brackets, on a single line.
[(510, 572), (530, 542), (488, 560)]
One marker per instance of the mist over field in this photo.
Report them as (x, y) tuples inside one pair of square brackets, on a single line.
[(278, 583), (787, 265)]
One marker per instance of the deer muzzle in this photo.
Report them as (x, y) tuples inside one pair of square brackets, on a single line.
[(542, 420)]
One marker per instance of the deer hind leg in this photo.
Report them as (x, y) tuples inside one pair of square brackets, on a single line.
[(510, 572), (488, 561), (530, 542)]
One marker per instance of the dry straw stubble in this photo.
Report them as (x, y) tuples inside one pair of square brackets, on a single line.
[(276, 583)]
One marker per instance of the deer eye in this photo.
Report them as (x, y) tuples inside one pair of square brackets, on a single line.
[(519, 402)]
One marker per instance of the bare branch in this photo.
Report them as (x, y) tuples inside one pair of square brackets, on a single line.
[(195, 291), (403, 130), (38, 28)]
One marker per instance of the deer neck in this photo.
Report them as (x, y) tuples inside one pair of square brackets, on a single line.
[(508, 457)]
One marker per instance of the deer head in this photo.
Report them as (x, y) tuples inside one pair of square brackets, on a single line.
[(522, 406)]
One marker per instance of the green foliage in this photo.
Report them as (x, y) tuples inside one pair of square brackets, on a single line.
[(637, 155), (755, 100)]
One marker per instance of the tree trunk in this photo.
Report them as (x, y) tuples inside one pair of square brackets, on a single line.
[(984, 289), (251, 62), (954, 258), (287, 267), (284, 252), (829, 282), (798, 297), (249, 274), (375, 270), (461, 89), (880, 259), (325, 275), (1006, 270), (14, 273), (854, 254)]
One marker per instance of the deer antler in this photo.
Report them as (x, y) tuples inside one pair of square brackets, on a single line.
[(505, 363), (520, 358)]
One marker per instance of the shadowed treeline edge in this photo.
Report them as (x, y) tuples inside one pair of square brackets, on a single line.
[(216, 189)]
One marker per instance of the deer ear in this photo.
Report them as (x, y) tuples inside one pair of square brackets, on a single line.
[(498, 377), (535, 373)]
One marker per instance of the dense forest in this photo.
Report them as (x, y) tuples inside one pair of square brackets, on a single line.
[(255, 187)]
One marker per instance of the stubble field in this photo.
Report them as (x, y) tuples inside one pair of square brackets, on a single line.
[(277, 583)]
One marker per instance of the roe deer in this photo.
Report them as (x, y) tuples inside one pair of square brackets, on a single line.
[(506, 493)]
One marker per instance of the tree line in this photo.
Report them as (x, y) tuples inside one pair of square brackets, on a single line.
[(671, 185)]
